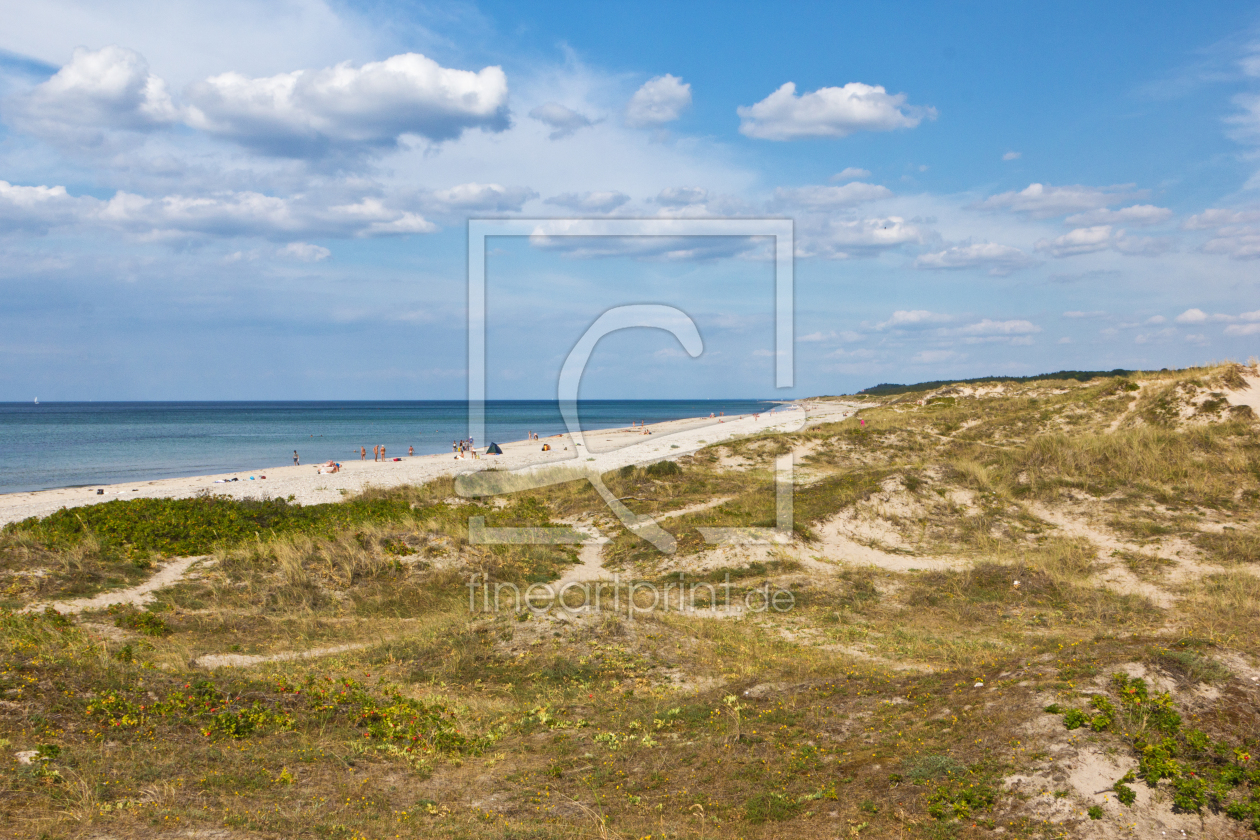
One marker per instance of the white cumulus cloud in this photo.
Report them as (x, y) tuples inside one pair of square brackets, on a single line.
[(1000, 328), (1241, 243), (1236, 236), (305, 251), (998, 259), (660, 100), (604, 201), (1041, 201), (850, 173), (828, 112), (483, 197), (1097, 238), (1080, 241), (1192, 316), (309, 112), (843, 239), (37, 208), (227, 213), (109, 88), (913, 319)]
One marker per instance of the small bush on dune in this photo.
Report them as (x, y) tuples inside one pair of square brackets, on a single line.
[(663, 469)]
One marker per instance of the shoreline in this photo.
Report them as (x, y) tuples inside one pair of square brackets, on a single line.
[(609, 448), (73, 444)]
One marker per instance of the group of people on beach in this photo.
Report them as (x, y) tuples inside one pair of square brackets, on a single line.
[(378, 452), (466, 449)]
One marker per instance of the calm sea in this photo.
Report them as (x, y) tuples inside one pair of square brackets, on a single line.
[(81, 444)]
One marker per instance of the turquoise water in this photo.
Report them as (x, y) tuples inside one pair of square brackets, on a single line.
[(81, 444)]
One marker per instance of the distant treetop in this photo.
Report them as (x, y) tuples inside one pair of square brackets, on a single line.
[(887, 389)]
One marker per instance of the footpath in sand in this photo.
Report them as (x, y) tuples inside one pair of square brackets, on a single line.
[(609, 449)]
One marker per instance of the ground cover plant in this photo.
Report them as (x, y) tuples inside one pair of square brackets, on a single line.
[(1018, 608)]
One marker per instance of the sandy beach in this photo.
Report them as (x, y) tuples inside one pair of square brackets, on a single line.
[(608, 449)]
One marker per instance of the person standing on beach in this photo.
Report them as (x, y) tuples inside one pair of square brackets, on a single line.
[(411, 452), (295, 458), (382, 452), (363, 453)]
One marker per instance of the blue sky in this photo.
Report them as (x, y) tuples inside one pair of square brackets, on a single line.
[(268, 200)]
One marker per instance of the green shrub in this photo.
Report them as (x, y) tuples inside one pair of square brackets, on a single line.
[(1189, 793), (1075, 718), (663, 469), (1106, 712)]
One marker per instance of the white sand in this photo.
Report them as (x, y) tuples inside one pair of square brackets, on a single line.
[(610, 448)]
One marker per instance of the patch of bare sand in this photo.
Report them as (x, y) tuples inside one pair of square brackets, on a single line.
[(1128, 411), (169, 575), (696, 508), (837, 544), (244, 660), (1115, 575), (869, 534), (1249, 396), (590, 564), (1186, 568)]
